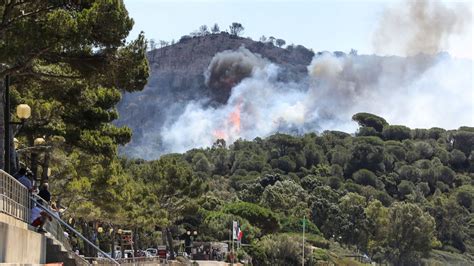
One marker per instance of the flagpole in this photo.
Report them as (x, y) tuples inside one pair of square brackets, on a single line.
[(232, 257), (304, 223)]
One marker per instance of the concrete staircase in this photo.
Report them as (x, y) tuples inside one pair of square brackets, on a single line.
[(57, 253)]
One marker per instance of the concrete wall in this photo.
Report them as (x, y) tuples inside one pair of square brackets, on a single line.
[(18, 244)]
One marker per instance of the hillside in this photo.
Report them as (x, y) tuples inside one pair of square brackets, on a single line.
[(222, 86), (177, 77)]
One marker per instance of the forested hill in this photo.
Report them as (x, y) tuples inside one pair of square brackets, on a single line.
[(223, 86), (399, 195), (177, 77)]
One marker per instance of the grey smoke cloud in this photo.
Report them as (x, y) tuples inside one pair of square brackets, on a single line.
[(420, 26), (228, 68)]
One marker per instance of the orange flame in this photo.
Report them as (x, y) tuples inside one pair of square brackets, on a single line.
[(231, 128), (220, 134), (235, 118)]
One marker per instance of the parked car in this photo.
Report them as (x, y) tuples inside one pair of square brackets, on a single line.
[(153, 251), (128, 253), (118, 254)]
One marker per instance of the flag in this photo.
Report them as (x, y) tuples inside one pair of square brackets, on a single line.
[(240, 234), (235, 228)]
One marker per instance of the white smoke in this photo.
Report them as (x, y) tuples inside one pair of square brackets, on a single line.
[(422, 91), (421, 26), (425, 89)]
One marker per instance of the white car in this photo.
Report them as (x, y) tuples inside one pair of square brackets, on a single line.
[(153, 252)]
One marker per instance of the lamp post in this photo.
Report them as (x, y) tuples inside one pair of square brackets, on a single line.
[(34, 157), (192, 237), (23, 111)]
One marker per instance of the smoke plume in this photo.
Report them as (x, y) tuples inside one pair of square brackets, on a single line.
[(415, 91), (420, 26), (228, 68), (422, 89)]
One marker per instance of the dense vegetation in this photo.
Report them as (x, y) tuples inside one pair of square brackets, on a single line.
[(389, 191)]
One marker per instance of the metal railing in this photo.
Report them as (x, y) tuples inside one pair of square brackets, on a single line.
[(58, 233), (14, 197)]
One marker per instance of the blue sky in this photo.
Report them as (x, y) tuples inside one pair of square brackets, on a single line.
[(320, 25)]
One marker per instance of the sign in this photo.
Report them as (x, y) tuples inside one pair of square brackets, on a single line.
[(162, 252)]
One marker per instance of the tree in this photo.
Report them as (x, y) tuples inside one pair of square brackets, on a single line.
[(405, 188), (458, 159), (171, 179), (258, 216), (378, 220), (395, 132), (152, 44), (163, 43), (279, 250), (271, 40), (353, 52), (452, 221), (364, 177), (63, 49), (286, 197), (366, 153), (215, 29), (280, 42), (263, 39), (203, 30), (370, 120), (236, 29), (354, 229), (216, 226), (464, 141), (410, 233)]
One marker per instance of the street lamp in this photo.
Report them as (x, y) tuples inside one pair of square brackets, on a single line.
[(191, 238), (23, 111), (39, 142)]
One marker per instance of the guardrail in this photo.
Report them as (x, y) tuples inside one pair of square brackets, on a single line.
[(14, 198), (57, 230)]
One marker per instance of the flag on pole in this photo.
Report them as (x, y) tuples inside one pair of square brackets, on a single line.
[(235, 228), (240, 234)]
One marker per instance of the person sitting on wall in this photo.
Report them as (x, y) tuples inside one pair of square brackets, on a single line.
[(39, 217)]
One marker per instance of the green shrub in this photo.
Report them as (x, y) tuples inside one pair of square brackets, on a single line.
[(365, 177)]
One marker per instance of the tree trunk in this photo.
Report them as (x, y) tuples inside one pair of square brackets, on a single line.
[(169, 237), (44, 176)]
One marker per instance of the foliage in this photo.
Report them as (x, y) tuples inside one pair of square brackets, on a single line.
[(392, 199), (410, 233), (236, 28), (279, 249), (370, 120), (258, 216)]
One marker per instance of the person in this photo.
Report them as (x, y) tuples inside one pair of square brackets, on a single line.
[(24, 180), (44, 193), (55, 209), (39, 218), (20, 173)]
